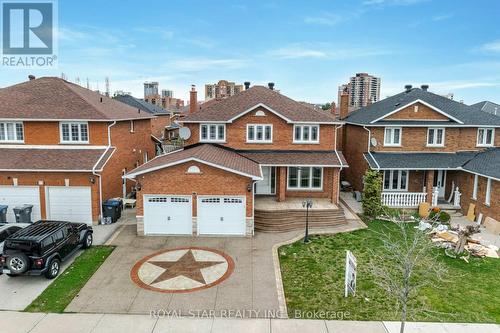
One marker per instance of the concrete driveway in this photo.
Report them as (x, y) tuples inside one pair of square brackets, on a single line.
[(251, 287)]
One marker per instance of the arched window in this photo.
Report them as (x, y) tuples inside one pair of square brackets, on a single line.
[(260, 113), (193, 169)]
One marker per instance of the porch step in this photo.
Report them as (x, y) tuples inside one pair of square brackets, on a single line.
[(288, 220)]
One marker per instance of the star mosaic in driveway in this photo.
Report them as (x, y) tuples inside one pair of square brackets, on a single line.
[(182, 270)]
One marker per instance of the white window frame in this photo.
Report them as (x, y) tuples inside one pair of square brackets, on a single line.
[(14, 124), (217, 132), (391, 178), (132, 126), (70, 126), (302, 140), (263, 140), (392, 131), (483, 143), (302, 188), (475, 186), (436, 131), (487, 197)]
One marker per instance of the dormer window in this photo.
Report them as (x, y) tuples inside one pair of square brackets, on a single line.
[(485, 137), (74, 132), (213, 132), (392, 136), (11, 132), (306, 134)]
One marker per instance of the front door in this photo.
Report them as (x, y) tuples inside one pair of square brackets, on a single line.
[(440, 182), (268, 184)]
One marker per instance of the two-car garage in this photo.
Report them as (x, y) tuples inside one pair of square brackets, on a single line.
[(173, 215)]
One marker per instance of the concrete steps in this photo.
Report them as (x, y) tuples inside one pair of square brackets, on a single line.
[(288, 220)]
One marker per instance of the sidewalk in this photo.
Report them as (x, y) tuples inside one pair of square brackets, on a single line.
[(22, 322)]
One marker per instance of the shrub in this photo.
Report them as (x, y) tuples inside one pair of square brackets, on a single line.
[(372, 201), (440, 216)]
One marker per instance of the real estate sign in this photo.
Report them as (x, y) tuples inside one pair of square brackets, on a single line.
[(350, 273)]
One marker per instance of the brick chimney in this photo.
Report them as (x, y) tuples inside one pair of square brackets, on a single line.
[(344, 104), (333, 108), (193, 99), (31, 77)]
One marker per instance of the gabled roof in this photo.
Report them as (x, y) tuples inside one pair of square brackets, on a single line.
[(231, 108), (212, 155), (459, 113), (485, 163), (51, 98), (141, 104), (488, 106)]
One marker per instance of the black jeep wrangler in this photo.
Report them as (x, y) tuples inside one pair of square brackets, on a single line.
[(41, 247)]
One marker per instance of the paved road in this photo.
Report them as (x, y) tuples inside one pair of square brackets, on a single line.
[(22, 322)]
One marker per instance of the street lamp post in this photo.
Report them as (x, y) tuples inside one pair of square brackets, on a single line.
[(307, 204)]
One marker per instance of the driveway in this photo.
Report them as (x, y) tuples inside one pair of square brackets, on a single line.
[(251, 286)]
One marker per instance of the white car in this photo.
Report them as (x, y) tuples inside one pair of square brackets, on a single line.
[(7, 229)]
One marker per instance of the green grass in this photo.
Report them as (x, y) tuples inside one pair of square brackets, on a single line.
[(66, 286), (313, 278)]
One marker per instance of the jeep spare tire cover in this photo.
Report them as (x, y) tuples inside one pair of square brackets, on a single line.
[(17, 263)]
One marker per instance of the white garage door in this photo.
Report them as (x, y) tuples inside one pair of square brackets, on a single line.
[(167, 215), (69, 203), (20, 195), (221, 215)]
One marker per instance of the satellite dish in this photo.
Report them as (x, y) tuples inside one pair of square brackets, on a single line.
[(373, 141), (184, 133)]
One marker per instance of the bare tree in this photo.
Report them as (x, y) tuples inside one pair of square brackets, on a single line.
[(412, 263)]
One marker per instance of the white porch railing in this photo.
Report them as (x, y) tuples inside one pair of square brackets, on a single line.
[(403, 199)]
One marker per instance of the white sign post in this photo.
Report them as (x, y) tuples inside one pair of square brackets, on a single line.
[(350, 273)]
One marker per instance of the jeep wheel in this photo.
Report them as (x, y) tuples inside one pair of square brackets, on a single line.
[(53, 268), (87, 240), (18, 264)]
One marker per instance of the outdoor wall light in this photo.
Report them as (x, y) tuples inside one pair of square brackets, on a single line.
[(92, 180), (138, 186), (249, 187)]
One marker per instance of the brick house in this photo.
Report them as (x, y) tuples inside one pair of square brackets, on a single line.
[(65, 148), (248, 163), (428, 148)]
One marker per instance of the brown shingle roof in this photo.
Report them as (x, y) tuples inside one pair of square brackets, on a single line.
[(56, 99), (311, 158), (208, 153), (229, 108), (53, 159)]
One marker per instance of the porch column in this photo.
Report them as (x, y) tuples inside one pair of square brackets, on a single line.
[(281, 188), (335, 185), (429, 184)]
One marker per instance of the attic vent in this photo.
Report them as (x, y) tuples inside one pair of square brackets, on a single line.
[(397, 104), (408, 87)]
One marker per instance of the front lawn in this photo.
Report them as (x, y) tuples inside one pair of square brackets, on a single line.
[(61, 292), (313, 279)]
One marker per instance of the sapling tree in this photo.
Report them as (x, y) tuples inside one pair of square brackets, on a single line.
[(372, 193), (406, 262)]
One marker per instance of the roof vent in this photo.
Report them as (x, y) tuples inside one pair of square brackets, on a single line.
[(31, 77), (408, 88), (424, 87), (271, 85), (101, 99), (138, 110), (247, 85)]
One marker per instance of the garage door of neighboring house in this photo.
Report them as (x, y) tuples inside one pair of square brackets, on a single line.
[(223, 215), (167, 215), (19, 195), (69, 203)]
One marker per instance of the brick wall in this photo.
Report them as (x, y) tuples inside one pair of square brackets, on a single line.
[(158, 125), (355, 140), (282, 134), (417, 111), (55, 179), (211, 181)]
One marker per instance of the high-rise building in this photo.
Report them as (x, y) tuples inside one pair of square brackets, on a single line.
[(167, 93), (363, 88), (150, 89), (221, 89)]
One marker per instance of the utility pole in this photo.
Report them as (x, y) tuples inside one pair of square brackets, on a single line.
[(107, 86)]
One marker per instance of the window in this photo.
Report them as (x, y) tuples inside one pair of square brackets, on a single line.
[(131, 126), (305, 178), (474, 190), (395, 180), (487, 199), (11, 132), (435, 137), (485, 136), (259, 133), (392, 136), (213, 132), (306, 133), (74, 133)]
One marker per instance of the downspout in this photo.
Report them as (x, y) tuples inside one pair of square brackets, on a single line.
[(369, 152), (97, 174), (336, 142)]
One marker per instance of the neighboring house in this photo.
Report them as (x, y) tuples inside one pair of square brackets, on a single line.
[(255, 149), (425, 146), (65, 148), (489, 107)]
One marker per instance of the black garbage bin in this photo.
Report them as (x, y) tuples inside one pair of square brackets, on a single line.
[(3, 213), (23, 213), (111, 208)]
